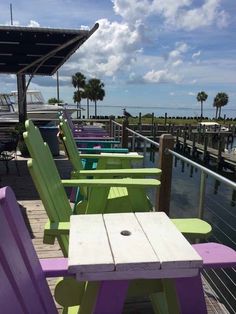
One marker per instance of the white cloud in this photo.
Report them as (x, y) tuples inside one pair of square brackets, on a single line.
[(182, 14), (33, 24), (178, 51), (112, 48), (196, 54), (161, 76), (191, 94), (205, 15), (177, 63), (132, 10), (15, 23)]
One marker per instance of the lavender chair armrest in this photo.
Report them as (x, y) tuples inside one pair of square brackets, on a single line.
[(216, 255), (55, 267)]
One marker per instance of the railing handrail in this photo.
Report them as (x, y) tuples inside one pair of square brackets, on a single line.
[(116, 123), (204, 169), (189, 161), (143, 137)]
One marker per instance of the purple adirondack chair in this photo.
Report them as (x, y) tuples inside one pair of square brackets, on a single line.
[(23, 286)]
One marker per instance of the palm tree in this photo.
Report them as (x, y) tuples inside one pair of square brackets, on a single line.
[(96, 91), (202, 96), (220, 100), (78, 81)]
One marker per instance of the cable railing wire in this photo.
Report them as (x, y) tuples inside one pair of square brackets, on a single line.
[(220, 205), (216, 215), (213, 294), (219, 290), (230, 184), (212, 223), (212, 283)]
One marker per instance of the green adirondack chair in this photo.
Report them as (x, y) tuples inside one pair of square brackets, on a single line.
[(192, 227), (102, 195), (54, 198), (104, 161), (120, 162), (50, 188)]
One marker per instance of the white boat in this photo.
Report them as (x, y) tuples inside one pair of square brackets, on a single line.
[(213, 126), (37, 109)]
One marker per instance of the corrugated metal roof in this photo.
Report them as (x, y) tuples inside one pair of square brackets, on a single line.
[(41, 51)]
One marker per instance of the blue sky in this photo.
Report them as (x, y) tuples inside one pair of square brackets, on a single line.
[(152, 55)]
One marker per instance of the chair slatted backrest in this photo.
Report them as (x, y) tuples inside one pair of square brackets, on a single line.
[(47, 180), (46, 174), (70, 144), (66, 115), (23, 287)]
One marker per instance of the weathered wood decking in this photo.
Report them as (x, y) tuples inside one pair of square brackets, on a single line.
[(35, 218)]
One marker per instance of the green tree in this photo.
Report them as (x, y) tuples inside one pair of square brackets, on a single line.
[(220, 100), (78, 81), (201, 97), (53, 101), (96, 91)]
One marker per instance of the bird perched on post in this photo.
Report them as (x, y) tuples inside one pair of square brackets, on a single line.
[(126, 114)]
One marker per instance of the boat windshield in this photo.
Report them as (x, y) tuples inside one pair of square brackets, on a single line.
[(33, 97), (5, 102)]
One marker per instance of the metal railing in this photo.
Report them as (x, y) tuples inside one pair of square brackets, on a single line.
[(204, 171), (221, 282)]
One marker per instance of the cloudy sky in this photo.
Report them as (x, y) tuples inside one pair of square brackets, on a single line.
[(149, 53)]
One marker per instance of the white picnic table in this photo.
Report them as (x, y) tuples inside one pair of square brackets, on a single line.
[(116, 248)]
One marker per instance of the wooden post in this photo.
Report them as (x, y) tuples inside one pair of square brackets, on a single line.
[(165, 164), (165, 118), (125, 133), (205, 144), (21, 90), (152, 124), (140, 123), (111, 126)]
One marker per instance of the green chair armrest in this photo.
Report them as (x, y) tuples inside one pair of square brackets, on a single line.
[(56, 228), (120, 172), (112, 155), (107, 150), (126, 182), (193, 227)]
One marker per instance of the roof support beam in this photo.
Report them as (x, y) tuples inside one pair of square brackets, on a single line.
[(21, 88)]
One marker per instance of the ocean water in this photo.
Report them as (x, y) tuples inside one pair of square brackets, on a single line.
[(159, 111)]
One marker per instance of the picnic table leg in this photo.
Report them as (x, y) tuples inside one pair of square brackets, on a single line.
[(111, 297), (190, 295)]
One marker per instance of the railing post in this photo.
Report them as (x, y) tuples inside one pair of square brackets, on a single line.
[(125, 133), (165, 164), (144, 152), (202, 195), (111, 126), (133, 143)]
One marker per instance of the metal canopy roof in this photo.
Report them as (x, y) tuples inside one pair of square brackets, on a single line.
[(40, 51)]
